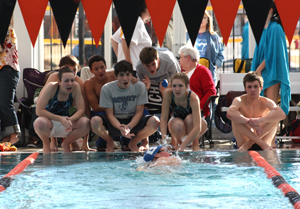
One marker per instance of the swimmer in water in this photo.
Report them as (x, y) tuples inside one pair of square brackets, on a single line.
[(157, 156)]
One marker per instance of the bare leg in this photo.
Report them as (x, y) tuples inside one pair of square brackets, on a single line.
[(145, 145), (177, 129), (80, 128), (151, 126), (53, 144), (99, 129), (246, 137), (85, 144), (43, 127), (273, 93), (12, 138)]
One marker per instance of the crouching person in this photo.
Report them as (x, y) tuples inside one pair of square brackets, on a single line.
[(124, 105), (186, 125), (53, 111), (254, 118)]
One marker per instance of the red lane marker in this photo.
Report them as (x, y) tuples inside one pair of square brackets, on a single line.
[(6, 180), (277, 179)]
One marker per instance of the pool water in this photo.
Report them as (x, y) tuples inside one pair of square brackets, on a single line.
[(210, 179)]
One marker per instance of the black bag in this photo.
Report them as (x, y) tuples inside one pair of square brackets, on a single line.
[(221, 120)]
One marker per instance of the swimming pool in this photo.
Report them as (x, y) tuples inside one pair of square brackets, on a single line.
[(208, 179)]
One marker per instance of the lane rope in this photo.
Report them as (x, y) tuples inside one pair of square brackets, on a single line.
[(277, 180), (6, 180)]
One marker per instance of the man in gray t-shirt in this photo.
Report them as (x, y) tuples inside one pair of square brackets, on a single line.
[(124, 105), (155, 66)]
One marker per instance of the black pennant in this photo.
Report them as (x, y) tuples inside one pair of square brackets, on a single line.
[(257, 12), (192, 12), (6, 11), (128, 12), (64, 13)]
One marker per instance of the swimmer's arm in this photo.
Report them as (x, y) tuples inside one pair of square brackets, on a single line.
[(79, 102), (165, 112), (195, 105), (234, 114)]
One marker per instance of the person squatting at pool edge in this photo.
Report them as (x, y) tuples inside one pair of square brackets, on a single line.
[(53, 111), (124, 106)]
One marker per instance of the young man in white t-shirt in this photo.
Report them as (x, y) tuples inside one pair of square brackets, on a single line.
[(124, 105), (140, 39)]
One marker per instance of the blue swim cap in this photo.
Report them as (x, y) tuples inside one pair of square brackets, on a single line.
[(149, 154)]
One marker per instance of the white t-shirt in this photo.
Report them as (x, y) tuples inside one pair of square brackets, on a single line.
[(140, 39), (123, 101)]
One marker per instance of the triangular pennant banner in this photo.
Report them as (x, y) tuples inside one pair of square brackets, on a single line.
[(33, 16), (192, 12), (289, 12), (64, 14), (257, 12), (225, 12), (96, 22), (160, 16), (128, 12), (6, 11)]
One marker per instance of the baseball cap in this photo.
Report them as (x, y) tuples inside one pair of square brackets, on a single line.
[(149, 154)]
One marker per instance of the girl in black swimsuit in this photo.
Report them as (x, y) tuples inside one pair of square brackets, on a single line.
[(184, 107)]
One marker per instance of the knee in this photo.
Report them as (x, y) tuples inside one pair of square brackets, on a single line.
[(40, 124), (154, 122), (85, 122), (96, 122), (203, 125), (177, 127), (189, 121)]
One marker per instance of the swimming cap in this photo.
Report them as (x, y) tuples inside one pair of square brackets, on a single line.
[(149, 154)]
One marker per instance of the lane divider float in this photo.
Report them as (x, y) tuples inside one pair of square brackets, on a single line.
[(277, 180), (6, 180)]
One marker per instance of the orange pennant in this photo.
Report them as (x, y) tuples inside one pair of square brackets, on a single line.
[(289, 12), (161, 12), (96, 13), (225, 11), (33, 12)]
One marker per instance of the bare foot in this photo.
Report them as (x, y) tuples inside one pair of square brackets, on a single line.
[(53, 144), (110, 146), (85, 147), (143, 148), (66, 147), (133, 146)]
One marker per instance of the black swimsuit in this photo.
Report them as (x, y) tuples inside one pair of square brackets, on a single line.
[(178, 111)]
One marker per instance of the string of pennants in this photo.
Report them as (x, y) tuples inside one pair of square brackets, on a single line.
[(96, 11)]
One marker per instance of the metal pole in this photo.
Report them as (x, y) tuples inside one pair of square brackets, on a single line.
[(81, 35)]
